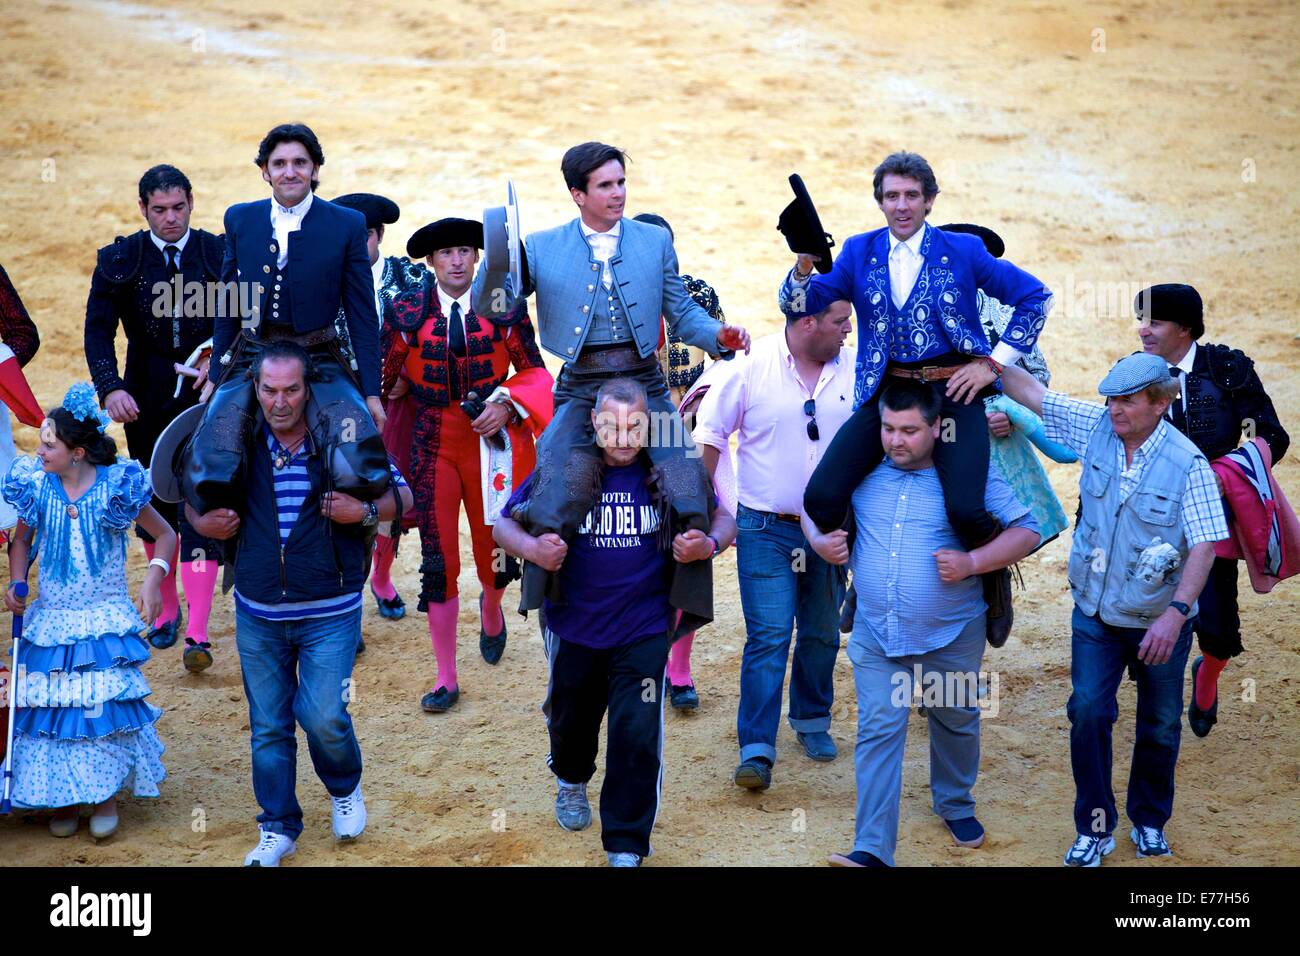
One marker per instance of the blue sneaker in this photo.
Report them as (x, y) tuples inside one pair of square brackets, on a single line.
[(857, 858), (572, 811), (1089, 850), (623, 859), (818, 745), (754, 774), (683, 697), (966, 832), (1149, 842)]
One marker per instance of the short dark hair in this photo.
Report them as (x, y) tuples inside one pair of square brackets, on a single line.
[(818, 316), (655, 220), (162, 178), (78, 433), (908, 393), (625, 391), (911, 165), (582, 160), (283, 349), (290, 133)]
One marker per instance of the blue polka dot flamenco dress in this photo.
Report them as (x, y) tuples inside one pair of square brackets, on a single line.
[(83, 731)]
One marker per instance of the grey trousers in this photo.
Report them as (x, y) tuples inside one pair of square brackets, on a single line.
[(885, 689)]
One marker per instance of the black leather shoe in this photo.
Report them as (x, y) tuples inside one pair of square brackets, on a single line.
[(164, 636), (197, 656), (997, 595), (439, 701), (1201, 721), (753, 774), (491, 646), (393, 608)]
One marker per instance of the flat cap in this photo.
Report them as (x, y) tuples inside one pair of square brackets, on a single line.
[(1134, 373)]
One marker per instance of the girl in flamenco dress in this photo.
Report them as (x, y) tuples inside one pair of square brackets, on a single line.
[(83, 731)]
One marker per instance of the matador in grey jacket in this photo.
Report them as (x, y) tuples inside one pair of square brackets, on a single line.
[(601, 283)]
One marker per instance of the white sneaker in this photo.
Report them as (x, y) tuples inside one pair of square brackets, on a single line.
[(270, 849), (349, 815)]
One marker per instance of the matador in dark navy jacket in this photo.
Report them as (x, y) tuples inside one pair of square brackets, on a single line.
[(297, 259)]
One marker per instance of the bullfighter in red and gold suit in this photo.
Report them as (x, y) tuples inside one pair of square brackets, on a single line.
[(474, 394)]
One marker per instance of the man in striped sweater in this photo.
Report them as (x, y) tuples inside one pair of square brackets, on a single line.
[(302, 558)]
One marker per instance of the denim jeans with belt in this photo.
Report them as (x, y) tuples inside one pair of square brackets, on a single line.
[(783, 582), (300, 669), (1100, 653)]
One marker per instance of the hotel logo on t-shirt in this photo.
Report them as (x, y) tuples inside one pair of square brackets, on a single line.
[(619, 521)]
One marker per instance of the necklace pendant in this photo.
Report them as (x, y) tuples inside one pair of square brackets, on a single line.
[(72, 511), (280, 462)]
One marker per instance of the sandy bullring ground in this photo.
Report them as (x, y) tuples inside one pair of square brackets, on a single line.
[(1111, 144)]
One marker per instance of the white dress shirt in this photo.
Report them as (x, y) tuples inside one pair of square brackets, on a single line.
[(904, 264), (286, 220), (377, 270), (444, 303), (1185, 366), (603, 245), (762, 396), (162, 244)]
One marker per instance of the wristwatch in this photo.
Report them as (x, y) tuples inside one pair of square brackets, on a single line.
[(371, 517), (716, 547), (1181, 608)]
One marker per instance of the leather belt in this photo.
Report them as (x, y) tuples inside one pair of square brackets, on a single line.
[(930, 373), (276, 333), (793, 519), (619, 358)]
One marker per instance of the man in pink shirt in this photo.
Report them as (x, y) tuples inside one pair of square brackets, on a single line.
[(787, 399)]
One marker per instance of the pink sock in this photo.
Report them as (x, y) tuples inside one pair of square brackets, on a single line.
[(679, 661), (442, 631), (170, 605), (381, 580), (493, 620), (1207, 681), (199, 579)]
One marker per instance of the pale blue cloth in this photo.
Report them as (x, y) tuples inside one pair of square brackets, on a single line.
[(1014, 458)]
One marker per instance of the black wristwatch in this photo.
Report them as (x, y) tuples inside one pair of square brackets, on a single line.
[(1181, 608), (371, 517)]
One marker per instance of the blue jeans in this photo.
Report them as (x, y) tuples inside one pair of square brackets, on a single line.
[(1100, 653), (784, 582), (298, 670)]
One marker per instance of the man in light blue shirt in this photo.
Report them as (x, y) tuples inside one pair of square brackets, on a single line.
[(919, 621)]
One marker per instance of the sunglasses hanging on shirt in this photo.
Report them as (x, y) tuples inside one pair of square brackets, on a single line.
[(810, 409)]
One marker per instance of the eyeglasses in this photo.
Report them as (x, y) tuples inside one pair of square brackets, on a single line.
[(810, 409)]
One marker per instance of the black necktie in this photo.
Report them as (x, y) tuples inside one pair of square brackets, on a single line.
[(1176, 414), (456, 332), (174, 266)]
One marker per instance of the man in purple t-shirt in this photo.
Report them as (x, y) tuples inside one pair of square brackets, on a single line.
[(607, 645)]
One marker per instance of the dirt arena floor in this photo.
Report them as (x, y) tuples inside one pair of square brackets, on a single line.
[(1112, 145)]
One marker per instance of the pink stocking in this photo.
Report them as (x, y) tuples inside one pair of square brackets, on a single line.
[(493, 620), (199, 579), (170, 606), (442, 631), (381, 580)]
